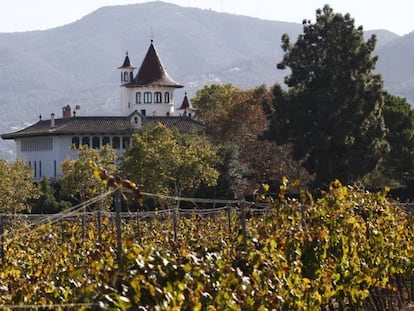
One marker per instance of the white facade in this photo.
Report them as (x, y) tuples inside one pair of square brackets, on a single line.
[(45, 154), (148, 100), (47, 143)]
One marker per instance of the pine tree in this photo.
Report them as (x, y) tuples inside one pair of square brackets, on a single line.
[(332, 111)]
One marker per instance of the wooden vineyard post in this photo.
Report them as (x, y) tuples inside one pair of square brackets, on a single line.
[(175, 220), (117, 200), (2, 238), (229, 219), (99, 227), (83, 224), (243, 223)]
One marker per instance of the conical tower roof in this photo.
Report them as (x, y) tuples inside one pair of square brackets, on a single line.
[(127, 63), (152, 71), (186, 105)]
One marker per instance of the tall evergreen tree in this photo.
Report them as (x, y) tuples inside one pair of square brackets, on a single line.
[(331, 113), (399, 119)]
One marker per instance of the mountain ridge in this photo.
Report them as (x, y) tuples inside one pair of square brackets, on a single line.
[(41, 71)]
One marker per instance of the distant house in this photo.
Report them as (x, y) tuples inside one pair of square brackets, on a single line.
[(146, 98)]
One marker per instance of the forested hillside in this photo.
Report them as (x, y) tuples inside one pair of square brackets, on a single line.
[(76, 64)]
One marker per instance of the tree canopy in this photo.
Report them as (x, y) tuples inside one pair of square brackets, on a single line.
[(165, 161), (332, 110), (236, 117), (78, 181), (399, 120), (16, 186)]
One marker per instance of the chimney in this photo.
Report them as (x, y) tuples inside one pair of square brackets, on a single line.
[(66, 111), (77, 110), (52, 120)]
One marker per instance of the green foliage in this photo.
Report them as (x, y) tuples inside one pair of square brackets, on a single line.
[(302, 254), (236, 117), (16, 186), (331, 113), (78, 181), (165, 161), (230, 180), (47, 202), (399, 120)]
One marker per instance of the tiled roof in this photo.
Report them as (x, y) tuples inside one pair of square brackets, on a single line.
[(152, 72), (98, 125), (182, 123)]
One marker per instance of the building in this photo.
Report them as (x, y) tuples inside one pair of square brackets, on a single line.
[(147, 97)]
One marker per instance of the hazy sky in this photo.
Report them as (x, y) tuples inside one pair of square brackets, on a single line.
[(396, 15)]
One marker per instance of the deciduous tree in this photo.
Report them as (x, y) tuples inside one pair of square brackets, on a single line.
[(16, 187), (165, 161), (78, 181)]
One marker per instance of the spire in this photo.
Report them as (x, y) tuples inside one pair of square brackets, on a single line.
[(127, 63), (152, 71), (186, 103)]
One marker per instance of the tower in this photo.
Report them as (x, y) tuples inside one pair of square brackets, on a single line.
[(151, 91)]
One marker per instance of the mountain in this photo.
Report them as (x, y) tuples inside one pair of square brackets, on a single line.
[(76, 64)]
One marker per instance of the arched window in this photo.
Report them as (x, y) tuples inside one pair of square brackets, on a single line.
[(85, 141), (106, 141), (138, 97), (157, 97), (116, 142), (126, 76), (147, 98), (96, 142), (131, 76), (75, 142), (166, 97)]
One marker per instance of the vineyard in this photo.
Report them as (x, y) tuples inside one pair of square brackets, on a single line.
[(346, 250)]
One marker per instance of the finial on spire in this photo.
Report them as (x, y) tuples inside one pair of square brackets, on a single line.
[(126, 53), (152, 36)]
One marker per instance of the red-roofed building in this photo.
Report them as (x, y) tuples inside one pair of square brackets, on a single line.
[(146, 98)]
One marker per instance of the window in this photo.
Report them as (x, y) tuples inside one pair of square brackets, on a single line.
[(143, 112), (40, 168), (96, 143), (54, 168), (138, 97), (85, 141), (75, 142), (166, 97), (125, 142), (106, 141), (157, 97), (126, 76), (147, 97), (34, 169), (116, 142)]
